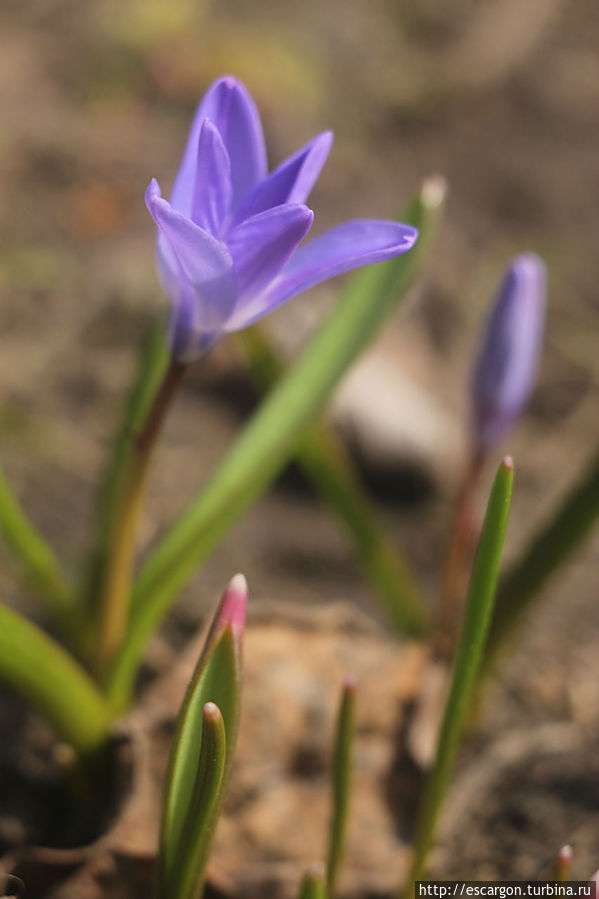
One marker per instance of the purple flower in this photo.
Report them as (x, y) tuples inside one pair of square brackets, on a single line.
[(228, 240), (506, 370)]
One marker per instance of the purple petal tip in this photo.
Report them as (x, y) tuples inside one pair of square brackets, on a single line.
[(153, 193)]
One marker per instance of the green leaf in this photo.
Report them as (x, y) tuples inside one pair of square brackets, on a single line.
[(216, 679), (327, 464), (153, 361), (39, 564), (187, 876), (342, 765), (545, 554), (477, 616), (271, 436), (53, 682)]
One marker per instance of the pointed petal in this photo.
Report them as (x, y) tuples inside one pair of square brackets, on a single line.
[(212, 193), (185, 340), (230, 107), (198, 268), (348, 246), (261, 246), (291, 182), (180, 293)]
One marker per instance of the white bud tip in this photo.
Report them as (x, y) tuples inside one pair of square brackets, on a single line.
[(434, 190), (239, 583)]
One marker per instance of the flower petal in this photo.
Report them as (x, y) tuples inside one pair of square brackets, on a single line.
[(291, 182), (261, 246), (212, 192), (351, 245), (186, 342), (204, 265), (507, 365), (230, 107)]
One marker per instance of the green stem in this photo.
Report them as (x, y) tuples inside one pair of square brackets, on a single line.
[(477, 617), (342, 765), (327, 464), (458, 557), (48, 677), (114, 607), (547, 551), (152, 364)]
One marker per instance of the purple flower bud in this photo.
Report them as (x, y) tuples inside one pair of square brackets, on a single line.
[(228, 240), (506, 370)]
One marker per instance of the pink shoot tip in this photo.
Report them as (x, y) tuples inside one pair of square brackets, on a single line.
[(211, 712), (508, 463), (233, 605)]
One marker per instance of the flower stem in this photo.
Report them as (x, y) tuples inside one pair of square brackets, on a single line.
[(114, 606), (458, 557)]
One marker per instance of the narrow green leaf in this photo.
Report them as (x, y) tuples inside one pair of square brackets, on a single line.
[(52, 681), (545, 554), (342, 765), (313, 885), (153, 360), (187, 876), (35, 556), (216, 679), (328, 466), (477, 616), (271, 436)]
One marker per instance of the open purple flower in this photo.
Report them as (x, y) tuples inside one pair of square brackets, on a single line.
[(228, 240), (506, 369)]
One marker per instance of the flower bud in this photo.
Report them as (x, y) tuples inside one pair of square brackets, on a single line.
[(232, 609), (506, 369)]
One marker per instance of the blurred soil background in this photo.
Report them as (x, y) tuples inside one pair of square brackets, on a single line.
[(499, 96)]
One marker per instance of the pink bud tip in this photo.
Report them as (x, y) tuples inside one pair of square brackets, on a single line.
[(316, 871), (508, 463), (233, 606), (350, 683), (211, 711), (565, 854)]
